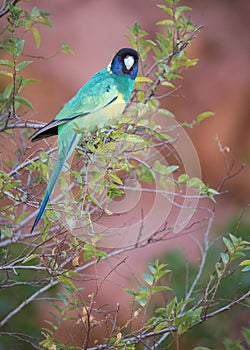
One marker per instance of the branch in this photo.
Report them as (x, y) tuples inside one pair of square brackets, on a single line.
[(168, 330), (27, 301), (5, 7)]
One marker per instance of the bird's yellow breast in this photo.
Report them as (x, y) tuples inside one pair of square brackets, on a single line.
[(115, 108), (101, 117)]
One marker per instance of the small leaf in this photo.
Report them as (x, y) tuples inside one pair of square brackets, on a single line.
[(149, 279), (56, 317), (143, 80), (166, 9), (246, 269), (160, 289), (6, 73), (22, 65), (168, 84), (115, 178), (67, 281), (52, 324), (204, 115), (183, 178), (66, 48), (161, 326), (19, 44), (6, 63), (219, 269), (63, 298), (37, 36), (228, 244), (195, 182), (172, 168), (167, 22), (245, 263), (142, 301), (130, 291), (224, 258), (23, 101), (179, 10), (246, 334), (231, 344), (31, 257), (58, 308)]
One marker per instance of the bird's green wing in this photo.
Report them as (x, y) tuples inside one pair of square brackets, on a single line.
[(100, 91)]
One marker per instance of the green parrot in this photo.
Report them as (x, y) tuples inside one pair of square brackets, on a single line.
[(101, 99)]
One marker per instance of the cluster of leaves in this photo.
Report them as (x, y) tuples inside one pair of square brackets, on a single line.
[(179, 315), (169, 52), (18, 20)]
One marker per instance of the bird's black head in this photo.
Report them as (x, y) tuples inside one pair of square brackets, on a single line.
[(125, 63)]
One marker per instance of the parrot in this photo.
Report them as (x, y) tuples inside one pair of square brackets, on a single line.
[(102, 98)]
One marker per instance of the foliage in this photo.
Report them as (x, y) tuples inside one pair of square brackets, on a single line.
[(55, 260)]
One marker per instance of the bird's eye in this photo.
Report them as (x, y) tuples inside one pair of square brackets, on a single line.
[(129, 62)]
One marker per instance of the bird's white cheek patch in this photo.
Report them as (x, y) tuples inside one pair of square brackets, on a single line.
[(129, 61)]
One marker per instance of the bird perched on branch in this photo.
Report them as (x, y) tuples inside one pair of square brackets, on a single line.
[(101, 99)]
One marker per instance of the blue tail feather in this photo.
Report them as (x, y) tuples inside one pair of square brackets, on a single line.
[(55, 174), (41, 210)]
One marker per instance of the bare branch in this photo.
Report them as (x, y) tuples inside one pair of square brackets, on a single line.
[(5, 7)]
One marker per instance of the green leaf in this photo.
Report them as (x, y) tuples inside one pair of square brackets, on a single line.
[(37, 36), (40, 16), (23, 101), (195, 182), (6, 73), (156, 289), (6, 63), (246, 334), (31, 257), (66, 48), (179, 11), (168, 10), (58, 308), (143, 80), (168, 84), (131, 291), (56, 317), (89, 251), (161, 326), (52, 324), (204, 115), (228, 244), (67, 281), (246, 269), (172, 168), (149, 279), (245, 263), (167, 22), (19, 44), (219, 269), (152, 268), (183, 178), (63, 298), (27, 82), (231, 344), (115, 178), (22, 65), (160, 274), (142, 301), (224, 258)]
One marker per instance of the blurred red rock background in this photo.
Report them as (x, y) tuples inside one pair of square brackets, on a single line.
[(219, 83)]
